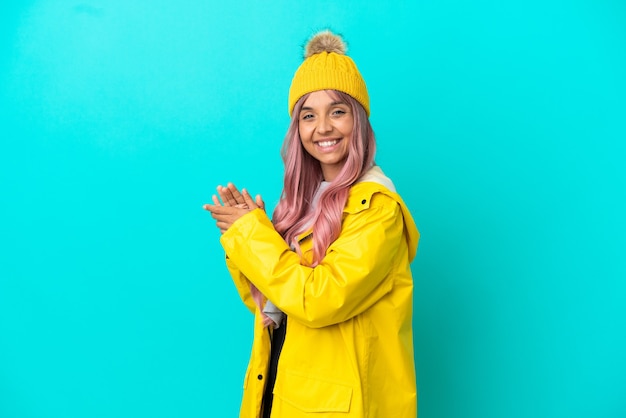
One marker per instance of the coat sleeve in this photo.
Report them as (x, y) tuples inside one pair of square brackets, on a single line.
[(241, 284), (354, 274)]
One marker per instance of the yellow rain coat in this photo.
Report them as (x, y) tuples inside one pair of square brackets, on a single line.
[(348, 351)]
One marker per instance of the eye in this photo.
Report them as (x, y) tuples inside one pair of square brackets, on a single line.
[(306, 116), (338, 112)]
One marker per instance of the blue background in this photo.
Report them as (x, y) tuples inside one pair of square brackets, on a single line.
[(501, 123)]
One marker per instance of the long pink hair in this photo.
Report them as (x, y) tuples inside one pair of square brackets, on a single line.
[(303, 175)]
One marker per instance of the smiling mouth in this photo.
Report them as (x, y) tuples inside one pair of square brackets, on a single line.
[(329, 143)]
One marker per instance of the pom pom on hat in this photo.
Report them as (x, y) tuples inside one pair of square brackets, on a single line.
[(326, 67), (325, 41)]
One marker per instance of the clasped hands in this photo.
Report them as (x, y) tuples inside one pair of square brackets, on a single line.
[(233, 205)]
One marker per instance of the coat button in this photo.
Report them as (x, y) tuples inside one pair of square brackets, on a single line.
[(363, 201), (260, 377)]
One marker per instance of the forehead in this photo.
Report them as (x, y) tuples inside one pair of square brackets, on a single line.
[(322, 98)]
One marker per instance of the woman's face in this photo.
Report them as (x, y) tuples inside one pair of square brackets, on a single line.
[(325, 127)]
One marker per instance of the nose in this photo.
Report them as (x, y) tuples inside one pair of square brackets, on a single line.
[(324, 125)]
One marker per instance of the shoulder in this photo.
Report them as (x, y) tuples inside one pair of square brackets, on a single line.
[(372, 196), (374, 188), (367, 195)]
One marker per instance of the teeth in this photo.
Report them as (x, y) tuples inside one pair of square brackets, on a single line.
[(327, 143)]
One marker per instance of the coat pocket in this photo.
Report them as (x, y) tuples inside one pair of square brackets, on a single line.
[(313, 393)]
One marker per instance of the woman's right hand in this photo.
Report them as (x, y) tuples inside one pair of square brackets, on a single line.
[(233, 205), (231, 196)]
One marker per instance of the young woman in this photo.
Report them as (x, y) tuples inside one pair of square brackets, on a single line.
[(328, 278)]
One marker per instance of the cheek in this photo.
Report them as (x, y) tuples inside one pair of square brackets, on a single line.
[(305, 133), (346, 127)]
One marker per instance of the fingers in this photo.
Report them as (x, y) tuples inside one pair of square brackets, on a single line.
[(229, 205), (221, 210), (235, 193), (230, 195), (248, 199), (225, 216), (226, 196), (222, 226), (259, 201)]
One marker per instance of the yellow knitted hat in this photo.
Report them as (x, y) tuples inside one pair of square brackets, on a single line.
[(326, 67)]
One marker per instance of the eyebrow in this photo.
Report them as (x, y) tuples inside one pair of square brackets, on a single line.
[(332, 104)]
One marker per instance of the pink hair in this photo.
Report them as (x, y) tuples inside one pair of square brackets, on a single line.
[(303, 175)]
